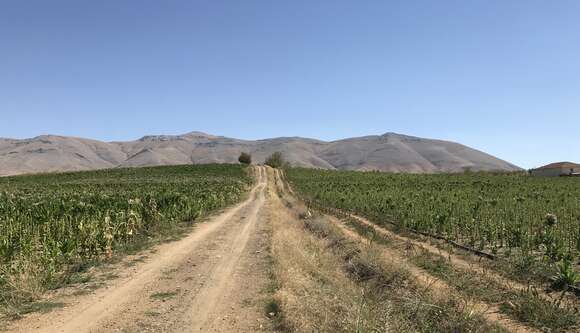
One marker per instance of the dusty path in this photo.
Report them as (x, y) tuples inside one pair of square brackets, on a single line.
[(213, 280)]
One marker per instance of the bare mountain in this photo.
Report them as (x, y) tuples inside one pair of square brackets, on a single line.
[(388, 152)]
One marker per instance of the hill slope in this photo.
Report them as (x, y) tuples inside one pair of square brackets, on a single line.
[(388, 152)]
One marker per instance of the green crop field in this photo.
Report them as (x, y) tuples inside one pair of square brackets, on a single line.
[(502, 214), (49, 221)]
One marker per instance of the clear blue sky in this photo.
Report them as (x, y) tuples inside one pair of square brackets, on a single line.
[(501, 76)]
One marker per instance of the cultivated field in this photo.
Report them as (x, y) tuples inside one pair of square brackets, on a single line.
[(527, 230), (55, 224), (297, 251), (499, 214)]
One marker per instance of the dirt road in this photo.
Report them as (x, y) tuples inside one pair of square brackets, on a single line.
[(213, 280)]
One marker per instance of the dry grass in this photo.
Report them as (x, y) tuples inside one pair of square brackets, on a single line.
[(314, 292), (22, 284)]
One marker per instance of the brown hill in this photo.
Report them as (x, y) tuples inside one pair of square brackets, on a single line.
[(388, 152)]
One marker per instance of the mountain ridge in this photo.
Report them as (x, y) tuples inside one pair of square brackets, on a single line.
[(390, 151)]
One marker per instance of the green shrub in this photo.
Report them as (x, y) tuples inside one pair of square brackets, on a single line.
[(275, 160), (245, 158)]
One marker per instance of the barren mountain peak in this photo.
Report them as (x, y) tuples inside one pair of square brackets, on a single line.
[(199, 134)]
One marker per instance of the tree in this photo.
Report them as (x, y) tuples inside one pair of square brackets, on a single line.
[(275, 160), (245, 158)]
